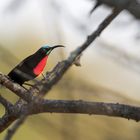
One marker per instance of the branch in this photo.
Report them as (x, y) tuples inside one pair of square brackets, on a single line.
[(15, 88), (5, 103), (6, 120), (133, 7), (13, 113), (14, 128), (22, 118), (79, 107), (84, 107)]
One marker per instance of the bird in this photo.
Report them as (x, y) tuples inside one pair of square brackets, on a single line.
[(32, 66)]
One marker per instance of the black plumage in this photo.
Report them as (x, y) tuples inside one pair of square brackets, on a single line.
[(24, 71)]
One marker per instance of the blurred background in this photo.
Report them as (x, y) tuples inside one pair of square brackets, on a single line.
[(110, 70)]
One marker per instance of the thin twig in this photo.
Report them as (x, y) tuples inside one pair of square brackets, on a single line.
[(22, 118), (14, 128), (5, 103)]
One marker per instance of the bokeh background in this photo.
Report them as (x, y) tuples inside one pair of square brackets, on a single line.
[(110, 70)]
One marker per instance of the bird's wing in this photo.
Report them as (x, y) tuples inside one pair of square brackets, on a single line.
[(27, 61), (24, 64)]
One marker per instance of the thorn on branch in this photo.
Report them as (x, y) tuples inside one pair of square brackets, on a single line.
[(97, 4), (77, 61)]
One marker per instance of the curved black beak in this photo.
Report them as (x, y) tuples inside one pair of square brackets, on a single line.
[(57, 46), (51, 48)]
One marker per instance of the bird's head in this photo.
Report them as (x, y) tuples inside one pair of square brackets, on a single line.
[(46, 50)]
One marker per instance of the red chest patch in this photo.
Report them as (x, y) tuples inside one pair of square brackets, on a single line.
[(40, 66)]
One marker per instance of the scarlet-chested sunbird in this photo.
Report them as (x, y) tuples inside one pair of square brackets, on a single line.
[(32, 66)]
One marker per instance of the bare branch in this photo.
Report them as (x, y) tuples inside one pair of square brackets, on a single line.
[(133, 7), (85, 107), (17, 89), (79, 107), (15, 127), (6, 120), (13, 113), (5, 103), (22, 118)]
